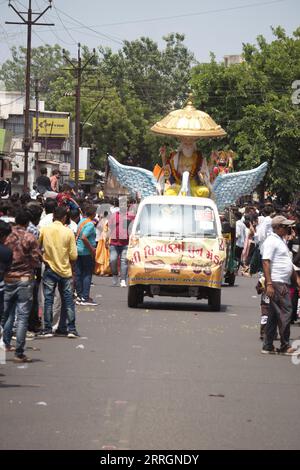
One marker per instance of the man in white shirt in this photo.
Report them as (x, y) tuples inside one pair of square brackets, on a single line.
[(240, 237), (47, 218), (279, 272), (264, 228)]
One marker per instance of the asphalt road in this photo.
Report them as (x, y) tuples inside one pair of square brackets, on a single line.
[(170, 375)]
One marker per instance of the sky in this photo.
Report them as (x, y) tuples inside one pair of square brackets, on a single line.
[(221, 26)]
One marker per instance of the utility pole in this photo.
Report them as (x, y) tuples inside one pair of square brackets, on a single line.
[(78, 68), (30, 22), (36, 134), (36, 89)]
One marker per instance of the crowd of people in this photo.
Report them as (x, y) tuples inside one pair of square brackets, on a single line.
[(268, 244), (51, 243), (53, 240)]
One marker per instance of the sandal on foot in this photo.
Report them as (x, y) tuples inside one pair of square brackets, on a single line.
[(21, 359)]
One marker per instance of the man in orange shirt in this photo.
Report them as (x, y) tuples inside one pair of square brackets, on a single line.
[(55, 181)]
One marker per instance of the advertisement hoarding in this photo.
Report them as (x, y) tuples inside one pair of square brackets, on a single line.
[(52, 127)]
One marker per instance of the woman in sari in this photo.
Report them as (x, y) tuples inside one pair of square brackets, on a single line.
[(102, 267)]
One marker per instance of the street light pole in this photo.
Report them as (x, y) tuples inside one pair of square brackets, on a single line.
[(29, 22)]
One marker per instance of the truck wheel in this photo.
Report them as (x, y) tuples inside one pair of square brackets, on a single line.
[(135, 296), (214, 300)]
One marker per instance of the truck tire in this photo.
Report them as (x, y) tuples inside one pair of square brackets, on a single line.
[(135, 296), (214, 300)]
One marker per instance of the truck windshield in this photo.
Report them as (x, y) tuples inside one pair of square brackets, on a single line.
[(177, 220)]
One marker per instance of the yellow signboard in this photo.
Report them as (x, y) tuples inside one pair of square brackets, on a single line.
[(52, 127), (83, 175), (193, 263)]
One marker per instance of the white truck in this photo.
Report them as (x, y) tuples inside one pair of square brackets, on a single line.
[(176, 249)]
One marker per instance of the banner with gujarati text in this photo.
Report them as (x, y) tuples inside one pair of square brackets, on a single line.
[(197, 262)]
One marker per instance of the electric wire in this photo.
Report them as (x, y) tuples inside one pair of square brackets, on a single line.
[(106, 36), (82, 25), (67, 31), (118, 40), (186, 15)]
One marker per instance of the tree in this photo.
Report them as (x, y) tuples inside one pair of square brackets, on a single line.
[(252, 101), (159, 78), (137, 86), (151, 81), (46, 64)]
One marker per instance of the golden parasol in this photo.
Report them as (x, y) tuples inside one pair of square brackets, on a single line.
[(188, 122)]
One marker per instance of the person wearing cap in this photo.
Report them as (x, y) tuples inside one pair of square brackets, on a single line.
[(279, 273)]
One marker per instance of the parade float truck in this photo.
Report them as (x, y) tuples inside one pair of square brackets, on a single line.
[(176, 246), (176, 249)]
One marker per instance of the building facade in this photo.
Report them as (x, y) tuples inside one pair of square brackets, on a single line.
[(233, 59), (52, 140)]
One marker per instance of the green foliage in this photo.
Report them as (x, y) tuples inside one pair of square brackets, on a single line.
[(252, 102), (46, 64), (134, 88), (125, 93), (158, 78)]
